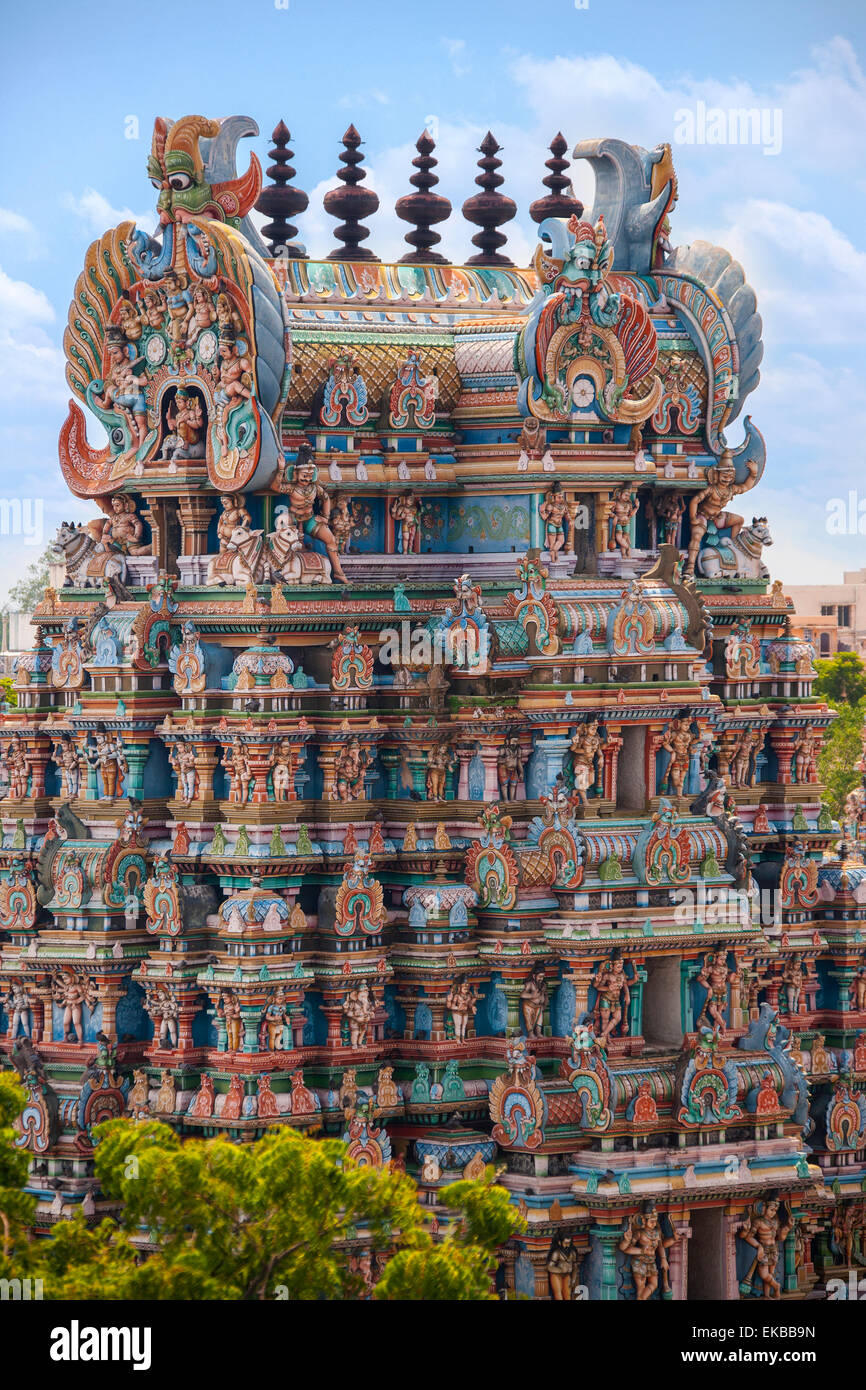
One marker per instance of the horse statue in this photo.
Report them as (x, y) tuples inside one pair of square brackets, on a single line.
[(89, 562), (727, 557)]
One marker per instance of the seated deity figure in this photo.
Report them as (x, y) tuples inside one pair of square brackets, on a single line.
[(349, 772)]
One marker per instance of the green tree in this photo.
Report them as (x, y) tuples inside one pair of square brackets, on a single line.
[(16, 1208), (7, 690), (30, 588), (842, 749), (841, 679), (263, 1221)]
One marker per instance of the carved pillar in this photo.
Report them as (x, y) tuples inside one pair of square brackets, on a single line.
[(162, 516), (782, 743), (610, 751), (195, 513)]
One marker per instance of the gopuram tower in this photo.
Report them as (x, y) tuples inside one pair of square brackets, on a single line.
[(414, 745)]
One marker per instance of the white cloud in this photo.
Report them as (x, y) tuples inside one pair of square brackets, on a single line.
[(31, 365), (21, 304), (374, 97), (14, 223), (98, 215), (456, 50)]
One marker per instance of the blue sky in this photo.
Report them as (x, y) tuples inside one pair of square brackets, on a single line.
[(73, 76)]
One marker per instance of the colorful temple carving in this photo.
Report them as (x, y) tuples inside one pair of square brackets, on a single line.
[(417, 748)]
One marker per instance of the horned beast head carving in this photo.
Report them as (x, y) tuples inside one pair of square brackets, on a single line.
[(178, 169)]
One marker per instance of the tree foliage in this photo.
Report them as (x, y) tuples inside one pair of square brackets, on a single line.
[(209, 1219), (842, 749), (16, 1208), (841, 679), (842, 683), (30, 588)]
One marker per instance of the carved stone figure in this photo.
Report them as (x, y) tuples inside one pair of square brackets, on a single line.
[(462, 1000), (440, 760), (710, 504), (613, 998), (109, 758), (184, 759), (230, 1007), (74, 991), (562, 1267), (359, 1008), (237, 765), (534, 997), (310, 507), (765, 1230), (509, 768), (714, 977), (282, 770), (643, 1241), (19, 1007), (679, 741), (405, 511), (349, 771), (585, 755), (620, 509), (70, 762), (241, 557), (553, 511)]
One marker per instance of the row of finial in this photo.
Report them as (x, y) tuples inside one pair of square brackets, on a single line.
[(350, 202)]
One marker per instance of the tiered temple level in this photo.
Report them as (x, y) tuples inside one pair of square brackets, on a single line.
[(416, 749)]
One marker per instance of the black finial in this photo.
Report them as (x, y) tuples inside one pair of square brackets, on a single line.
[(560, 201), (489, 209), (351, 203), (423, 208), (280, 200)]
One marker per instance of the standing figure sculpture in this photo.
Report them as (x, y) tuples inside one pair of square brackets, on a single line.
[(109, 759), (562, 1262), (440, 761), (237, 765), (462, 1001), (613, 998), (509, 768), (622, 507), (73, 992), (714, 977), (765, 1230), (184, 760), (19, 1007), (282, 771), (17, 761), (553, 511), (585, 754), (70, 762), (405, 510), (647, 1247), (680, 742), (230, 1008), (534, 997)]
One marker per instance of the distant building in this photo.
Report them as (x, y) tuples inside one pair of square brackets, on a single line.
[(836, 613), (16, 636)]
